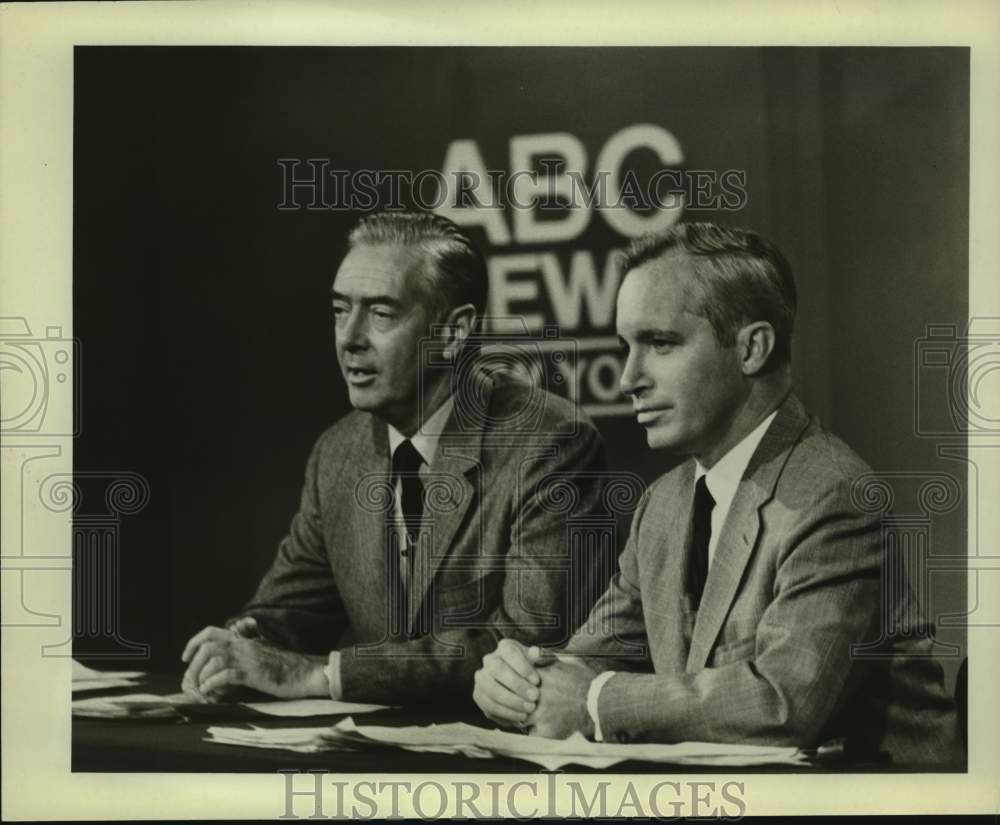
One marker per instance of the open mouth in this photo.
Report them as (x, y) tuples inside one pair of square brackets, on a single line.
[(358, 376)]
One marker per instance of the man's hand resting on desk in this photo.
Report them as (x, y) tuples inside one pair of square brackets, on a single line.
[(529, 688), (220, 661)]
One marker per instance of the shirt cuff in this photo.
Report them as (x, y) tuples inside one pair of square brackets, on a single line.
[(593, 694), (332, 671), (243, 634)]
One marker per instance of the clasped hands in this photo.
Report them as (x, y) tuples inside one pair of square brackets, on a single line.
[(535, 690), (222, 661)]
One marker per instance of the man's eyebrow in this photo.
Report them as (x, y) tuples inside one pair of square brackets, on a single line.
[(388, 300), (646, 335)]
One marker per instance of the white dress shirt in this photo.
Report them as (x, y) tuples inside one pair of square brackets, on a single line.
[(725, 476), (722, 480)]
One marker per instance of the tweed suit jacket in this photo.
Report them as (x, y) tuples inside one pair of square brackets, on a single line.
[(795, 582), (493, 557)]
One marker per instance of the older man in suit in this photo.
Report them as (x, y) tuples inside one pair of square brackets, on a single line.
[(425, 531), (750, 584)]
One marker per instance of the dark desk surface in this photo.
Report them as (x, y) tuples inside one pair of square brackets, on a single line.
[(171, 746)]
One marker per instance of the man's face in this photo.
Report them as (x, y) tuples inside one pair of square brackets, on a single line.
[(685, 387), (380, 315)]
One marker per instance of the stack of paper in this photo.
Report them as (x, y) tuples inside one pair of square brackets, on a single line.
[(148, 705), (554, 753), (301, 740), (132, 706), (85, 678), (310, 707), (471, 741)]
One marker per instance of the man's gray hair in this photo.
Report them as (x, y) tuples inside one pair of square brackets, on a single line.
[(457, 274), (739, 278)]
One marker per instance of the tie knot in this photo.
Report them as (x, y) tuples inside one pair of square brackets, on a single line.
[(406, 459), (702, 496)]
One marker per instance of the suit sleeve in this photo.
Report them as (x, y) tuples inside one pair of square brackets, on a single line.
[(297, 604), (542, 597), (826, 599), (614, 635)]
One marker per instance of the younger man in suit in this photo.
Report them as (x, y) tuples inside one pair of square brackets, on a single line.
[(751, 578), (425, 531)]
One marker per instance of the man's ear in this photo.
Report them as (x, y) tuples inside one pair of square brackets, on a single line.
[(458, 326), (755, 344)]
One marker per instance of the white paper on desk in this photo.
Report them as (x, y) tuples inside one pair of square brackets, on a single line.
[(128, 707), (86, 675), (83, 672), (273, 737), (311, 707), (554, 753), (300, 740), (80, 685), (475, 742)]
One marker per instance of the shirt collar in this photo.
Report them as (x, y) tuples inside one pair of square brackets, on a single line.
[(726, 474), (426, 439)]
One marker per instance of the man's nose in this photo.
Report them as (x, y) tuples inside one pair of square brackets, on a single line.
[(352, 332), (633, 379)]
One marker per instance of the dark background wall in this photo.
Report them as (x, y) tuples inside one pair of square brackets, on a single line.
[(206, 338)]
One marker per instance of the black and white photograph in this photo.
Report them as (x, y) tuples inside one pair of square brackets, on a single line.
[(484, 424)]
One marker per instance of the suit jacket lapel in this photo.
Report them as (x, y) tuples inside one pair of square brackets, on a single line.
[(671, 531), (448, 495), (367, 475), (742, 528)]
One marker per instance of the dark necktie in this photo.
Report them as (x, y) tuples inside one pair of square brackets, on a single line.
[(701, 535), (406, 463)]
